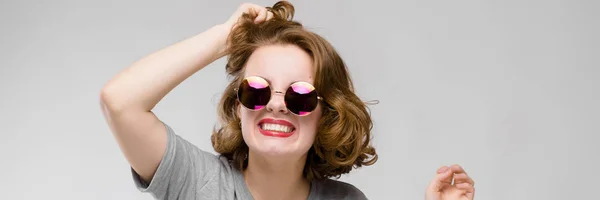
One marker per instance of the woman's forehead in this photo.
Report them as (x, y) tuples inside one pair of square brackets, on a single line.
[(280, 64)]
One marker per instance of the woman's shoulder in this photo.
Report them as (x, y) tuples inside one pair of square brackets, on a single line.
[(335, 189)]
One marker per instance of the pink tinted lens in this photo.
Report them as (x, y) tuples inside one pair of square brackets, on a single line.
[(301, 98), (254, 93)]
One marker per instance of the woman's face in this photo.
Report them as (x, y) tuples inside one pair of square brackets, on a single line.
[(274, 130)]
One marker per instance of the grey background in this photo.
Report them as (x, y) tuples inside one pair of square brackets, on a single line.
[(508, 89)]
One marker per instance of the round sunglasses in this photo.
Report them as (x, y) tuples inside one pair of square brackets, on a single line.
[(301, 98)]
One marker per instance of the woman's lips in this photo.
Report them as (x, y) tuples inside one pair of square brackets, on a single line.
[(276, 128)]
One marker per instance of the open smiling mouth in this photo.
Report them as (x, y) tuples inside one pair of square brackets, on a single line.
[(276, 128)]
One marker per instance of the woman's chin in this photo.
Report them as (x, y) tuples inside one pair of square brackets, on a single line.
[(277, 149), (277, 146), (274, 149)]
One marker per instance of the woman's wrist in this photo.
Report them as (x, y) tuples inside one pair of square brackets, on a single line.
[(222, 33)]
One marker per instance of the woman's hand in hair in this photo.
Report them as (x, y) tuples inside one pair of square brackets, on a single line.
[(259, 13), (443, 188), (255, 12)]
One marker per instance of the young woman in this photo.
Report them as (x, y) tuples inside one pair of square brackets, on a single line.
[(290, 120)]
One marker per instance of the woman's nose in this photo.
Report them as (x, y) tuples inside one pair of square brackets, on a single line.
[(277, 103)]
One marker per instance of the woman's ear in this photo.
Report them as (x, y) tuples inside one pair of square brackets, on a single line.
[(238, 114), (238, 110)]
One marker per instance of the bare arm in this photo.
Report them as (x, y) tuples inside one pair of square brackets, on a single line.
[(128, 98)]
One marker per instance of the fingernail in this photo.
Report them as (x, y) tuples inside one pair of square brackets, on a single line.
[(442, 169)]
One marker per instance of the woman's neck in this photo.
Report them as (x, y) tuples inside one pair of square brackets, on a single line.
[(279, 178)]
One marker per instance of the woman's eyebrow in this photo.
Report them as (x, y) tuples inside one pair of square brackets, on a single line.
[(268, 80), (292, 82)]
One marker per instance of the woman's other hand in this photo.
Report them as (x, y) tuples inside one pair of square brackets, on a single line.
[(451, 183)]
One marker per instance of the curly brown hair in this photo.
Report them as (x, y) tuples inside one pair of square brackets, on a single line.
[(344, 130)]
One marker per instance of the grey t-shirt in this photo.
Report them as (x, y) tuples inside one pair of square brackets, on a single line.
[(186, 172)]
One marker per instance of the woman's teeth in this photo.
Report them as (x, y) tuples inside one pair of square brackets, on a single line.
[(276, 127)]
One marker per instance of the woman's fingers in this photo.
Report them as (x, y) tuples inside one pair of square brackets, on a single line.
[(471, 195), (441, 180), (463, 178), (468, 189), (463, 181), (457, 169), (247, 8), (444, 176), (262, 15), (460, 175), (465, 187), (269, 15), (452, 177)]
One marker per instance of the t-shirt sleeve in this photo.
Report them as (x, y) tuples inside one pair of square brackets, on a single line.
[(183, 168)]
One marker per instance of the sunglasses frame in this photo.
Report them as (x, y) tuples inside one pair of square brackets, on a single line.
[(237, 94)]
